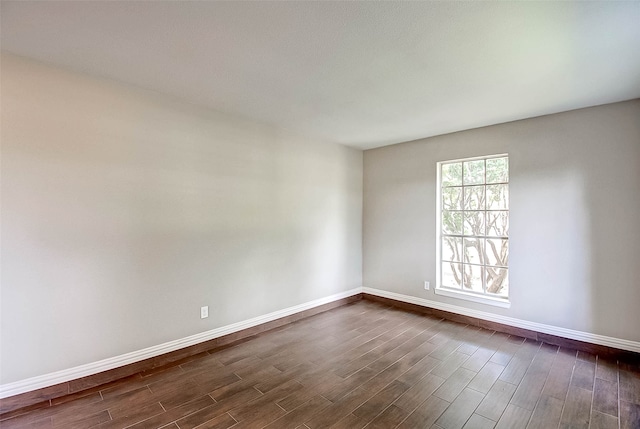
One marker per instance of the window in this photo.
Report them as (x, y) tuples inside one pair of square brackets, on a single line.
[(473, 226)]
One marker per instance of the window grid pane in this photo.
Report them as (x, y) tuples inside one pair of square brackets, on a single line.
[(474, 222)]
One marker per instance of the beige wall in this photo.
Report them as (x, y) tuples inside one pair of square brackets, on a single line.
[(575, 217), (124, 212)]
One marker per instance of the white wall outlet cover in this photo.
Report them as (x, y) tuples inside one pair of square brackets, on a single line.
[(204, 312), (426, 285)]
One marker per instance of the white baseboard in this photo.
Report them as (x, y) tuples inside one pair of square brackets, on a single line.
[(51, 379), (46, 380), (587, 337)]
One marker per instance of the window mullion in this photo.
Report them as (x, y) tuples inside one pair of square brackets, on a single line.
[(478, 217)]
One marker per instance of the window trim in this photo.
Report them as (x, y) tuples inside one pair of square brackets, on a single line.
[(475, 297), (450, 292)]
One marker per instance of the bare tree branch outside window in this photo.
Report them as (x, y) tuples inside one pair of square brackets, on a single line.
[(474, 229)]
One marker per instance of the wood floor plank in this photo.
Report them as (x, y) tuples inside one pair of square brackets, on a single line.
[(549, 348), (377, 353), (629, 386), (495, 402), (603, 421), (484, 379), (577, 409), (445, 349), (607, 369), (132, 417), (170, 393), (478, 422), (394, 371), (342, 407), (586, 356), (530, 388), (175, 414), (455, 384), (321, 379), (547, 413), (134, 401), (450, 365), (567, 356), (504, 353), (629, 415), (441, 334), (83, 422), (301, 414), (75, 414), (583, 374), (514, 417), (544, 359), (400, 353), (210, 412), (426, 365), (460, 410), (277, 380), (205, 361), (248, 410), (258, 415), (223, 421), (478, 359), (297, 399), (349, 422), (356, 352), (248, 382), (419, 392), (515, 370), (425, 414), (605, 397), (381, 400), (86, 396), (528, 392), (43, 416), (391, 417), (350, 383), (363, 339), (469, 346), (557, 383)]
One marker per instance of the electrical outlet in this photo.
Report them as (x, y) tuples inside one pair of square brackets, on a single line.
[(426, 285), (204, 312)]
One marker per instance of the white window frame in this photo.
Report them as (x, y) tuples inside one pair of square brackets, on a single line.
[(450, 292)]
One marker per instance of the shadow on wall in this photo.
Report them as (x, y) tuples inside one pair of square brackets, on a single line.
[(551, 246), (574, 223), (612, 183)]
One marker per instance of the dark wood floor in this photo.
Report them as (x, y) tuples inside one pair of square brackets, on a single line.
[(360, 365)]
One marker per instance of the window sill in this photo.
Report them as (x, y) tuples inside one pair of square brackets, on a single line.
[(496, 302)]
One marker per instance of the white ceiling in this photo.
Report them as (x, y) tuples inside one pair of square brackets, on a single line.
[(365, 74)]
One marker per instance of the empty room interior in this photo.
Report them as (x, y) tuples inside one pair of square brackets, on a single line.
[(316, 215)]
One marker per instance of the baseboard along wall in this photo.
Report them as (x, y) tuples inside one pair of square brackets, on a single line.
[(523, 328), (41, 391)]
